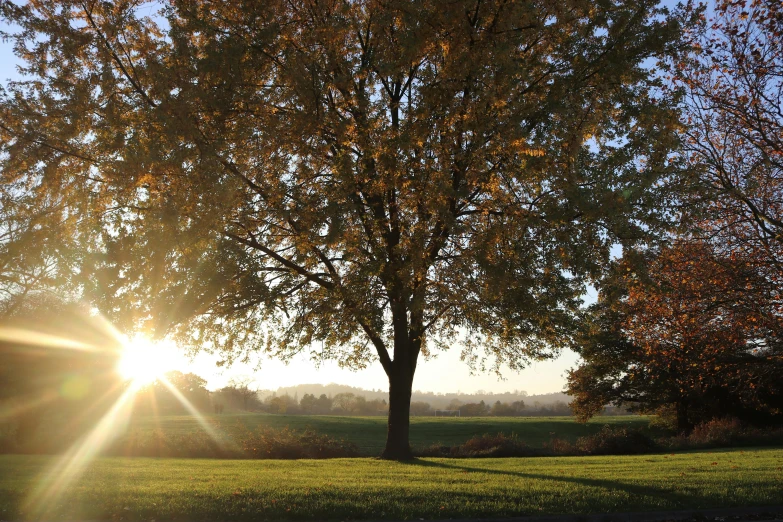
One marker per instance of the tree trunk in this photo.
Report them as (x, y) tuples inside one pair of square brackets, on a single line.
[(397, 437), (407, 345)]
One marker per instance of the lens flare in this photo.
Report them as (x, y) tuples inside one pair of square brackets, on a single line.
[(140, 362)]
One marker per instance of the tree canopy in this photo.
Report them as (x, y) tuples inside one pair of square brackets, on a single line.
[(366, 180)]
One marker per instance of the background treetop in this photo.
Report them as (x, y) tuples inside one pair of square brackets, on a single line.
[(733, 85)]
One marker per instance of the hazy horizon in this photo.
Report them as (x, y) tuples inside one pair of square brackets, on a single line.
[(442, 374)]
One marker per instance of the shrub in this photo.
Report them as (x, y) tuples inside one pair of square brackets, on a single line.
[(487, 445), (560, 447), (664, 418), (266, 443), (727, 431), (716, 432), (499, 445), (608, 441), (622, 441)]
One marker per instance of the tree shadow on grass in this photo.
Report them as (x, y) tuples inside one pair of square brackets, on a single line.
[(673, 499)]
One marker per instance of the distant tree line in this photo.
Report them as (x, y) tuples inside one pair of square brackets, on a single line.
[(239, 396), (348, 403)]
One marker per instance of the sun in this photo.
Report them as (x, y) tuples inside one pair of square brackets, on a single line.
[(143, 361)]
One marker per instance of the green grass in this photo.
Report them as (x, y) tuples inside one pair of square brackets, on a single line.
[(369, 433), (185, 489)]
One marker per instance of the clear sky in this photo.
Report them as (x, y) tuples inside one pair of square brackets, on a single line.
[(443, 373)]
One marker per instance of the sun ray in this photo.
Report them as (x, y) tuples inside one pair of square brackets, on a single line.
[(192, 410), (54, 484), (140, 363), (29, 337), (95, 405), (9, 411)]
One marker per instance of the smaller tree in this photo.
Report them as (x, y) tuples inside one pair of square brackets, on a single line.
[(281, 404), (419, 408), (344, 402), (377, 407), (504, 409), (699, 332), (308, 403), (474, 409), (241, 387), (324, 404)]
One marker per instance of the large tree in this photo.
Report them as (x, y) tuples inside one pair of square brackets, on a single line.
[(367, 180)]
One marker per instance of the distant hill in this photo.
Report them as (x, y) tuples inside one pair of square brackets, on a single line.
[(436, 400)]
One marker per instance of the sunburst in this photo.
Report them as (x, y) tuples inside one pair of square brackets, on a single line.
[(144, 362)]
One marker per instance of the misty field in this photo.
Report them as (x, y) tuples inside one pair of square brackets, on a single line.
[(201, 489), (369, 433)]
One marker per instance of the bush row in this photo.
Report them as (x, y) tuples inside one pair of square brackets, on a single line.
[(612, 441), (262, 443)]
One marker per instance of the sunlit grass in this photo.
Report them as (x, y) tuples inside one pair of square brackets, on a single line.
[(186, 489)]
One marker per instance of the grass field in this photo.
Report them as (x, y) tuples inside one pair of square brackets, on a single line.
[(369, 433), (203, 489)]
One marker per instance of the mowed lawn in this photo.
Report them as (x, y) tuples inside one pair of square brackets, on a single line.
[(205, 489), (369, 433)]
